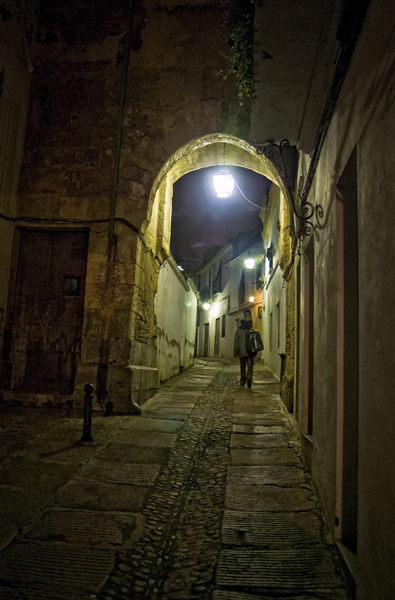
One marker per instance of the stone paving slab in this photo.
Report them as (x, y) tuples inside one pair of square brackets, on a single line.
[(145, 438), (18, 505), (163, 414), (173, 404), (274, 426), (84, 528), (179, 411), (255, 411), (130, 453), (71, 433), (35, 475), (99, 496), (143, 424), (59, 452), (287, 570), (264, 456), (256, 398), (61, 567), (268, 498), (40, 594), (245, 440), (252, 418), (230, 595), (108, 472), (261, 475), (7, 533), (266, 529)]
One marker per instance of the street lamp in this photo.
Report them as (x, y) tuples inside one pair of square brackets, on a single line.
[(206, 305), (223, 183), (249, 262)]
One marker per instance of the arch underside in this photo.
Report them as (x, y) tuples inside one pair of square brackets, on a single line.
[(211, 150)]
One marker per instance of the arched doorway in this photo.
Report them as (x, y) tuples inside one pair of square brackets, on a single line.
[(212, 150)]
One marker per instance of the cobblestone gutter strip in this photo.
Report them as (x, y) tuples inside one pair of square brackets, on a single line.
[(183, 511)]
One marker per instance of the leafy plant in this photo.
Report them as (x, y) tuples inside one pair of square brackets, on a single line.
[(239, 37)]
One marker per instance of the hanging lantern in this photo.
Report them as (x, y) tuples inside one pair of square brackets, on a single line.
[(223, 183), (249, 262)]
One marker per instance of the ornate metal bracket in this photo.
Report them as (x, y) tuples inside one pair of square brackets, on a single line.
[(304, 211)]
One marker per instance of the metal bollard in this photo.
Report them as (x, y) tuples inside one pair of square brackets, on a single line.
[(87, 436)]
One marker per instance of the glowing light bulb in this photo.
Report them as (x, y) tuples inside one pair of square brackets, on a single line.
[(249, 263), (223, 184)]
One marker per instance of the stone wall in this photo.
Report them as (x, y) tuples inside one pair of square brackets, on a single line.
[(173, 96), (18, 27)]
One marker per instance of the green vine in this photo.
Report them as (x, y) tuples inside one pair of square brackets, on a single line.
[(239, 38)]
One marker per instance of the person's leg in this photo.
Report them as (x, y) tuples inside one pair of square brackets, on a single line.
[(250, 368), (243, 362)]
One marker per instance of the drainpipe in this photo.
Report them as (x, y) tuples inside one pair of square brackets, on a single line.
[(117, 157)]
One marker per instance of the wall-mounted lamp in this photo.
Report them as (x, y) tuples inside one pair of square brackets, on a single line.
[(304, 211), (251, 299), (250, 262), (214, 312), (223, 183), (206, 305)]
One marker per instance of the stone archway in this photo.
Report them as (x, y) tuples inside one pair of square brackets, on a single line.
[(119, 349), (211, 150)]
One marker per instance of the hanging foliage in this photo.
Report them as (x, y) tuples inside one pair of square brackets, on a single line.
[(239, 39)]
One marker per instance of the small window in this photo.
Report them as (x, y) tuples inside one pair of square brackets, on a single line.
[(71, 286)]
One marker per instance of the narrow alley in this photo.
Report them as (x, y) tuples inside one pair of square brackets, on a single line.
[(204, 496)]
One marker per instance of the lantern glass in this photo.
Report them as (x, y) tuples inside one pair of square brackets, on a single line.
[(249, 263), (223, 184)]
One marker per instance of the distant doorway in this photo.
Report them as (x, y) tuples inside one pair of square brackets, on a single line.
[(216, 337), (206, 339), (48, 312)]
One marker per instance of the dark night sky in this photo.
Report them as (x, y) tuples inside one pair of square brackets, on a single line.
[(200, 220)]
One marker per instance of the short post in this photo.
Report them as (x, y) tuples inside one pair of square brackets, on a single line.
[(87, 436)]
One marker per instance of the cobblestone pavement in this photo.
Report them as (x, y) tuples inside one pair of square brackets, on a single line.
[(203, 497)]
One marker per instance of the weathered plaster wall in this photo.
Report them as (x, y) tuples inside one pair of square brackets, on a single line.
[(175, 310), (364, 116), (325, 341), (17, 30), (173, 96), (274, 293)]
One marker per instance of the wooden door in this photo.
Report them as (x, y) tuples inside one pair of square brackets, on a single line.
[(49, 307)]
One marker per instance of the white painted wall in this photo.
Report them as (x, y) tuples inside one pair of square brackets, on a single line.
[(175, 310), (274, 307), (225, 305)]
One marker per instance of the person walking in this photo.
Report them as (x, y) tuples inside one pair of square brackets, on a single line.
[(240, 351)]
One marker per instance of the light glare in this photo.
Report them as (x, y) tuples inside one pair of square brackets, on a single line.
[(223, 184), (249, 263)]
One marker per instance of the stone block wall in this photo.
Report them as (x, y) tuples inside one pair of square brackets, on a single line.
[(18, 27), (173, 96)]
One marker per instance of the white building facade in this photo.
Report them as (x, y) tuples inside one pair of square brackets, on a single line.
[(228, 292)]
